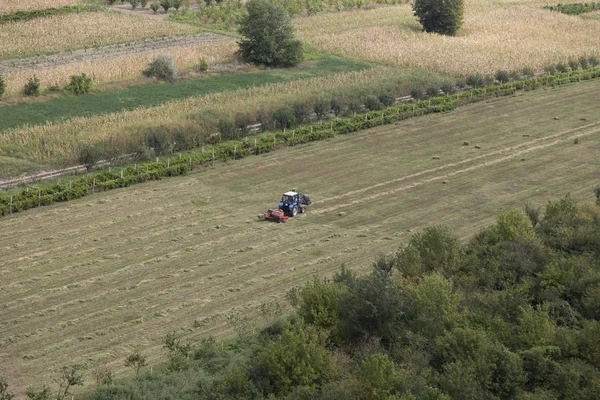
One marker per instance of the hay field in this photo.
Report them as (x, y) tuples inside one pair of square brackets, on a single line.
[(90, 280), (121, 67), (80, 30), (495, 35), (10, 6)]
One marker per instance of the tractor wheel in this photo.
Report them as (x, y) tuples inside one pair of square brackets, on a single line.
[(302, 210), (294, 211)]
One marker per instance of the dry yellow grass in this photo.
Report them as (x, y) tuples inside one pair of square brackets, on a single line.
[(494, 36), (46, 143), (117, 68), (66, 32), (10, 6)]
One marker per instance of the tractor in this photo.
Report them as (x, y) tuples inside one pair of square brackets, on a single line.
[(290, 205)]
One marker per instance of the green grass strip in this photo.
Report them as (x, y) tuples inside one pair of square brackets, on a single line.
[(575, 8), (65, 108), (131, 174), (29, 15)]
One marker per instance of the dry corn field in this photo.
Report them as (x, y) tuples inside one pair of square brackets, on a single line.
[(81, 30), (494, 36), (10, 6), (109, 68), (60, 141), (91, 280)]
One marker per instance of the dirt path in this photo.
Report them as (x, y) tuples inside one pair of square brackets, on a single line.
[(107, 52)]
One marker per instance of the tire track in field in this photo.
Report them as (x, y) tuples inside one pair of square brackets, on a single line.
[(529, 147)]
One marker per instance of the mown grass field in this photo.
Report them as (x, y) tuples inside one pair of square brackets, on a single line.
[(113, 101), (90, 280)]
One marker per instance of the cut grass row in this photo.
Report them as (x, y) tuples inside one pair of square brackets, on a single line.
[(81, 281), (61, 109)]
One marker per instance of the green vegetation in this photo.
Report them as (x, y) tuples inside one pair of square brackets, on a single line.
[(574, 8), (32, 87), (511, 314), (29, 15), (151, 95), (2, 86), (80, 84), (268, 36), (162, 68), (440, 16)]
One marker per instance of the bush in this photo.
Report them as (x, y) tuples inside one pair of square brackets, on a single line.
[(302, 111), (80, 84), (337, 107), (203, 66), (32, 87), (89, 155), (387, 98), (162, 67), (550, 69), (594, 61), (166, 4), (268, 35), (448, 88), (285, 117), (527, 72), (562, 67), (134, 3), (321, 108), (154, 6), (574, 65), (475, 80), (440, 16), (176, 4), (2, 86), (157, 138), (372, 103), (242, 120), (583, 61), (227, 129), (143, 3), (417, 93), (502, 76), (432, 91)]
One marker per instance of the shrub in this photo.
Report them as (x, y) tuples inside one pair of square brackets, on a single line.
[(285, 117), (143, 3), (372, 103), (574, 65), (550, 69), (242, 120), (417, 93), (337, 107), (154, 6), (89, 155), (583, 61), (176, 4), (157, 138), (32, 87), (264, 118), (302, 111), (321, 108), (448, 88), (432, 91), (562, 67), (593, 61), (475, 80), (387, 98), (2, 86), (227, 129), (134, 3), (354, 106), (440, 16), (166, 4), (502, 76), (268, 35), (80, 84), (162, 67), (203, 65), (527, 72)]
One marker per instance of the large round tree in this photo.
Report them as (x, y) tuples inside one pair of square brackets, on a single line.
[(440, 16), (268, 35)]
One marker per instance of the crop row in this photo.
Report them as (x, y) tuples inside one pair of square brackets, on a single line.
[(31, 197), (33, 14)]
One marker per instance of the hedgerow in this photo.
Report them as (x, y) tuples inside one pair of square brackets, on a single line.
[(575, 8), (266, 142)]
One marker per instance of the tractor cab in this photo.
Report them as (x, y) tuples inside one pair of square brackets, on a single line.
[(290, 205), (289, 198)]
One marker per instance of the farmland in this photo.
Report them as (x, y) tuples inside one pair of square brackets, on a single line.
[(81, 281), (72, 31), (10, 6), (494, 37)]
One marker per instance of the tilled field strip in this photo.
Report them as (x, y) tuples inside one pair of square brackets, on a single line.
[(108, 52)]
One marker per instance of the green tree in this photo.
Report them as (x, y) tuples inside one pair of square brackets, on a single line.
[(513, 225), (2, 86), (268, 35), (136, 361), (80, 84), (440, 16), (319, 302), (296, 358), (68, 376), (379, 376), (535, 327)]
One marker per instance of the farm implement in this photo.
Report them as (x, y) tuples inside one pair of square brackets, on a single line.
[(290, 205)]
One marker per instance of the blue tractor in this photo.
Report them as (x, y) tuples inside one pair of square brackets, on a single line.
[(293, 203)]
